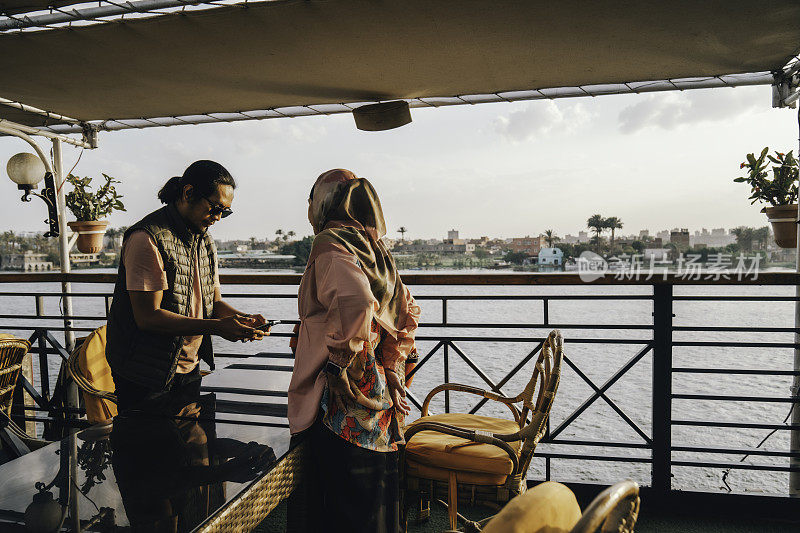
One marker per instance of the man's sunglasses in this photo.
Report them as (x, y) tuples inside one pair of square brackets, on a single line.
[(217, 209)]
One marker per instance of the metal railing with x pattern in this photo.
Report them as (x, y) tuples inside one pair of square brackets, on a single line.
[(446, 342)]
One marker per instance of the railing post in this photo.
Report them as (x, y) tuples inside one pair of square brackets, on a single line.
[(44, 369), (662, 388), (446, 354)]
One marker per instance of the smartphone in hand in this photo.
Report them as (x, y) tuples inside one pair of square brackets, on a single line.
[(263, 328)]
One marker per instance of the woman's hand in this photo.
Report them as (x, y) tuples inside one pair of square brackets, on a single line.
[(339, 389), (397, 392), (344, 389)]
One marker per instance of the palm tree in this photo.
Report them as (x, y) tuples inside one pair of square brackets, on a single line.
[(291, 233), (613, 223), (9, 241), (550, 237), (596, 223), (278, 233), (744, 237), (402, 231), (761, 236)]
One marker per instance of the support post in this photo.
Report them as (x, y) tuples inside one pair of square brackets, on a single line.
[(662, 389), (794, 477), (446, 355), (44, 369), (69, 335)]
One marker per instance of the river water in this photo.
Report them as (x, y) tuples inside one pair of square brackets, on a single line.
[(598, 361)]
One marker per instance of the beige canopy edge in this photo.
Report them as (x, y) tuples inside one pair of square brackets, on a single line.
[(319, 57)]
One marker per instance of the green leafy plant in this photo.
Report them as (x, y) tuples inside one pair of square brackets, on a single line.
[(88, 205), (782, 188)]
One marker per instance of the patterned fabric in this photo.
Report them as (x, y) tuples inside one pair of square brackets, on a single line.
[(377, 430)]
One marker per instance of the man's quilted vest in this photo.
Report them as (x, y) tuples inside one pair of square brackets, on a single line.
[(144, 357)]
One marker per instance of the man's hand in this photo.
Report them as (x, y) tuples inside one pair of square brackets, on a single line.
[(257, 322), (254, 320), (234, 328), (397, 392)]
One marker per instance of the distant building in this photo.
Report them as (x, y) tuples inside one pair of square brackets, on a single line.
[(437, 247), (84, 260), (716, 238), (528, 245), (452, 235), (254, 259), (27, 262), (583, 236), (644, 234), (551, 256), (483, 241), (680, 238)]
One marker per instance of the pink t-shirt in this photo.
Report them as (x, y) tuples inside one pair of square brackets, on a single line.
[(144, 271)]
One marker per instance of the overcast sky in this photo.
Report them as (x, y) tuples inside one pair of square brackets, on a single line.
[(656, 161)]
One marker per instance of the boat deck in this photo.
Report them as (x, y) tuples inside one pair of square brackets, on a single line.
[(650, 521), (679, 452)]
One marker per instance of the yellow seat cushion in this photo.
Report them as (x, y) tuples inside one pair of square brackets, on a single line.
[(430, 454), (546, 508)]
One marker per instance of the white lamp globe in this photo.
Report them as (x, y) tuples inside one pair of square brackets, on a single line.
[(26, 170)]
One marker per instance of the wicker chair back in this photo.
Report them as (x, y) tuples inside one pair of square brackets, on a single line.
[(12, 352)]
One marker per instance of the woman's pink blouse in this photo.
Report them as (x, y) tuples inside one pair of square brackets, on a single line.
[(336, 309)]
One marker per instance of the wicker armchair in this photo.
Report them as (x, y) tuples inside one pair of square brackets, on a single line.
[(552, 506), (478, 458), (12, 352)]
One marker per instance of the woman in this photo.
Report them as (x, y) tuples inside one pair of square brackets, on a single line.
[(357, 326)]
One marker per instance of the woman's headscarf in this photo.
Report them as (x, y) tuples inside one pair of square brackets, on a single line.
[(345, 210)]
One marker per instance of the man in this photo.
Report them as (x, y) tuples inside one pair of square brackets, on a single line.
[(167, 299)]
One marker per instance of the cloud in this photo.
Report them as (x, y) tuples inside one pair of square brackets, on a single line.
[(541, 118), (672, 110)]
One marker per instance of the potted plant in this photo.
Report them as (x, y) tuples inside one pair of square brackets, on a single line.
[(89, 208), (780, 192)]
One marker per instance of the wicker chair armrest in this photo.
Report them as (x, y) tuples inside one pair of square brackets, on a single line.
[(474, 435), (457, 387), (615, 509), (83, 384)]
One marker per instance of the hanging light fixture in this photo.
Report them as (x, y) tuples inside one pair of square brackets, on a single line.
[(383, 116), (27, 170)]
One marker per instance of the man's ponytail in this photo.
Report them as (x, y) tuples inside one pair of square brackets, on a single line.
[(171, 190)]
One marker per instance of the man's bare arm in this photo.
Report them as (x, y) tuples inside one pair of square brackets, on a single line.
[(150, 317)]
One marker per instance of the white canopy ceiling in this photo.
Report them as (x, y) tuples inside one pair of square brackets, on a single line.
[(228, 60)]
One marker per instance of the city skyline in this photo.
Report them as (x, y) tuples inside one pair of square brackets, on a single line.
[(658, 161)]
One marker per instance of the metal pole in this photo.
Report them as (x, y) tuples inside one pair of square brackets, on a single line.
[(662, 389), (794, 477), (69, 335), (63, 243)]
